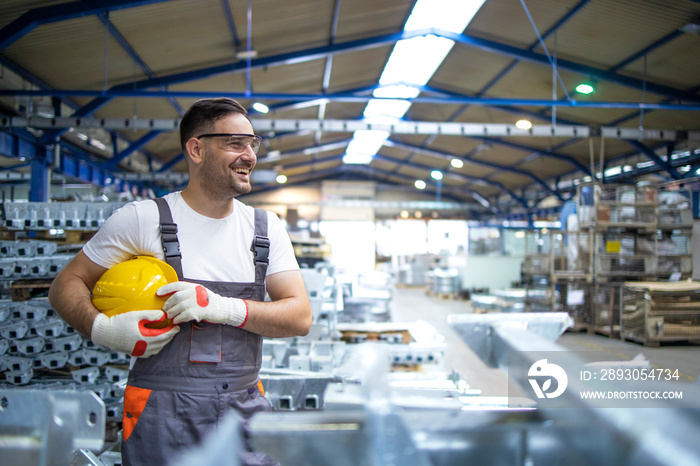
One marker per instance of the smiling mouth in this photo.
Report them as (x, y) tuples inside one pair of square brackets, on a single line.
[(243, 171)]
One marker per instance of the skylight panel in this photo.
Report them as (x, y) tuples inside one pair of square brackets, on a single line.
[(413, 61)]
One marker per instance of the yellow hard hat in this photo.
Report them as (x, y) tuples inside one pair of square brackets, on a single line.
[(132, 285)]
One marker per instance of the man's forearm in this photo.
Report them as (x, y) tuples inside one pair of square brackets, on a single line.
[(70, 294), (284, 318), (72, 300)]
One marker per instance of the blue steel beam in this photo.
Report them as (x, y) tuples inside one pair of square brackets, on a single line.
[(600, 74), (648, 49), (537, 180), (134, 56), (231, 24), (136, 145), (572, 12), (105, 96), (65, 11), (546, 152), (458, 175), (174, 161), (652, 155), (74, 162), (387, 39), (331, 173), (411, 165)]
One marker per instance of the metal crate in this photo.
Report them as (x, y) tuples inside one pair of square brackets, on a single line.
[(605, 311), (574, 297), (538, 249), (625, 254), (572, 254), (614, 205), (654, 312), (536, 265), (675, 209), (675, 259)]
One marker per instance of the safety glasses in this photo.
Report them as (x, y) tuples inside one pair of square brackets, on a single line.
[(236, 143)]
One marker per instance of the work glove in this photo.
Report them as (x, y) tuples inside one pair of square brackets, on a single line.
[(127, 332), (190, 301)]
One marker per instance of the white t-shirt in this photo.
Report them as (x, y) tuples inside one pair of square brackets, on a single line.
[(212, 249)]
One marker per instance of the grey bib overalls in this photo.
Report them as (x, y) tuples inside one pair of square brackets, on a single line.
[(174, 398)]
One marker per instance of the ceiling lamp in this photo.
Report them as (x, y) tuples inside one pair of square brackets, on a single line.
[(585, 88), (436, 175), (419, 184), (281, 179), (523, 124), (260, 107), (457, 163)]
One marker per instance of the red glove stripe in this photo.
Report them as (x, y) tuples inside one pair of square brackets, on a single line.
[(153, 332), (246, 314), (202, 296), (139, 347)]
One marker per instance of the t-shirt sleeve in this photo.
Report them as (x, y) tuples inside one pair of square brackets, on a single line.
[(118, 239), (282, 257)]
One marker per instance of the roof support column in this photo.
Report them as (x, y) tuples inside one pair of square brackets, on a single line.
[(41, 177)]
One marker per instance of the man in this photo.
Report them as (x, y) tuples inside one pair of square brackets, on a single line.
[(227, 256)]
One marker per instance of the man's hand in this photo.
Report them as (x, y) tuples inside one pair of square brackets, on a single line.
[(127, 332), (190, 301)]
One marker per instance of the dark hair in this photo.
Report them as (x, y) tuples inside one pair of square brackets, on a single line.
[(202, 115)]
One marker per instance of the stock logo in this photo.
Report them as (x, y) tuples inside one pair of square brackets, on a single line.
[(543, 370)]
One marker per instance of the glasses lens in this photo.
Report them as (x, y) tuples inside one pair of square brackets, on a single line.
[(255, 144), (238, 144)]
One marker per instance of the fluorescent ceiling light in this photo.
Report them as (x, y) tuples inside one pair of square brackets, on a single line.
[(281, 179), (585, 88), (523, 124), (260, 107), (436, 175), (419, 184), (457, 163)]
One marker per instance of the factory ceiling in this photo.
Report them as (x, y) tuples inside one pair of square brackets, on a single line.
[(109, 79)]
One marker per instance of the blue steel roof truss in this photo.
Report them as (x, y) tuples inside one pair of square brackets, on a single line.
[(101, 8)]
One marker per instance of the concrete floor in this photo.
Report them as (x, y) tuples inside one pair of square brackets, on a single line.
[(413, 304)]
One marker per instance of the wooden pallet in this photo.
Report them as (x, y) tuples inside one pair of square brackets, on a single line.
[(445, 296), (350, 336), (22, 290), (409, 286)]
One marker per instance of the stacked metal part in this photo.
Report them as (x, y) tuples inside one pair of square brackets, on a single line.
[(31, 259), (38, 350), (57, 215), (297, 371)]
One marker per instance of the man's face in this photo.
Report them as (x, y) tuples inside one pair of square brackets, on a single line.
[(225, 171)]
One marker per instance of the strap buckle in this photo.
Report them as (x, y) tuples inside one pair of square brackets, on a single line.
[(168, 235), (261, 249)]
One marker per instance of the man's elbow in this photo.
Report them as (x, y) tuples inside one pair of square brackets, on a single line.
[(305, 322)]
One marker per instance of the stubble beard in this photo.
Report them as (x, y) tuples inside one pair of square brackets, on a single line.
[(220, 186)]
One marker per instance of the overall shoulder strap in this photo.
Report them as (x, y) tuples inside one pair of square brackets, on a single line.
[(168, 237), (260, 246)]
